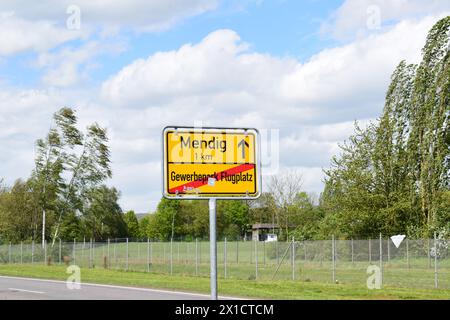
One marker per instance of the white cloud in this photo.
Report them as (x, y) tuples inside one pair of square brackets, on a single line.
[(42, 25), (219, 64), (220, 81), (350, 80), (140, 15), (359, 17), (25, 115), (70, 66), (18, 35)]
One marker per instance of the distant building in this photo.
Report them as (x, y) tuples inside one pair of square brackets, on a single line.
[(259, 231)]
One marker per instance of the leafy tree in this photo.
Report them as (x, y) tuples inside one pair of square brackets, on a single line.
[(349, 187), (132, 224), (430, 125), (17, 212), (235, 218), (102, 215), (144, 225), (263, 209), (162, 224), (394, 176), (68, 164), (306, 217)]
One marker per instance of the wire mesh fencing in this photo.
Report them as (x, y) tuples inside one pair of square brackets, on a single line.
[(423, 263)]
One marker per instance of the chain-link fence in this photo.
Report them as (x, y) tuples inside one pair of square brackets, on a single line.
[(421, 263)]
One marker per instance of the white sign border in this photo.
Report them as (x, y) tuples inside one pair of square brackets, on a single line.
[(199, 196)]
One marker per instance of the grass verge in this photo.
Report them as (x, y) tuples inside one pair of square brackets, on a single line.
[(231, 287)]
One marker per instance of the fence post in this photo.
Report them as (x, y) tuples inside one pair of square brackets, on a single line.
[(90, 253), (82, 251), (352, 253), (32, 252), (293, 259), (108, 253), (21, 252), (333, 259), (93, 253), (370, 251), (138, 250), (225, 257), (164, 252), (264, 252), (381, 259), (200, 252), (407, 252), (45, 252), (9, 253), (148, 255), (60, 251), (276, 249), (388, 250), (126, 263), (171, 256), (73, 251), (256, 259), (435, 262), (196, 256), (114, 252), (304, 248), (429, 255), (251, 252)]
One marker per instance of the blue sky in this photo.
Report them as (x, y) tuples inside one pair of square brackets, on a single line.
[(304, 69), (279, 27)]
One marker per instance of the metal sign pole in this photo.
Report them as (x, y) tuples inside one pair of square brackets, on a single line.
[(184, 148), (213, 247)]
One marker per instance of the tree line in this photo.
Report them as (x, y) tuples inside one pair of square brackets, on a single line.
[(394, 176), (391, 177)]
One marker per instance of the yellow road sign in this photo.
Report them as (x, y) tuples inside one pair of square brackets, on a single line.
[(210, 163)]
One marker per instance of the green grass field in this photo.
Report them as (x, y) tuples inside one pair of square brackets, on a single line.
[(185, 266), (233, 287)]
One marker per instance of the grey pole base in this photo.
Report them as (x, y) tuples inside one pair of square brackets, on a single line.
[(213, 247)]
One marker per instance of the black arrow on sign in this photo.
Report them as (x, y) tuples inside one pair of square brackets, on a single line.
[(243, 144)]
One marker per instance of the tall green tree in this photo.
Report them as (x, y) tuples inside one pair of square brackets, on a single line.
[(390, 155), (394, 176), (349, 194), (102, 216), (132, 224), (69, 163), (165, 220), (235, 218), (428, 144), (17, 212)]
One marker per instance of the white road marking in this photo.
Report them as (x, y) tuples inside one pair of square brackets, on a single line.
[(206, 296), (23, 290)]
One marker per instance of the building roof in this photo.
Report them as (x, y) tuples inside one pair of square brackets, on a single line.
[(257, 226)]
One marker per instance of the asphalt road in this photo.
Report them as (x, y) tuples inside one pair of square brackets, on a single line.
[(14, 288)]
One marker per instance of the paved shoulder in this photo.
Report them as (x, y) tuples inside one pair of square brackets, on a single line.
[(29, 289)]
